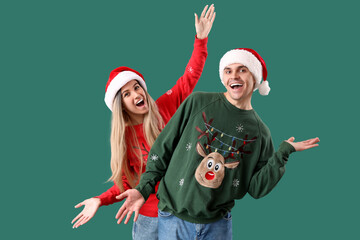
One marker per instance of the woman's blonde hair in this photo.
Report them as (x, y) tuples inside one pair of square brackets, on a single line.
[(152, 126)]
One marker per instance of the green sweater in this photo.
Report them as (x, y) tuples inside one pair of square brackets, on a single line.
[(209, 154)]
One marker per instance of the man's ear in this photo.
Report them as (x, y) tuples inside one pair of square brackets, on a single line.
[(254, 81)]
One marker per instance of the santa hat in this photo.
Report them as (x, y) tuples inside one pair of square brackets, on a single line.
[(118, 78), (253, 61)]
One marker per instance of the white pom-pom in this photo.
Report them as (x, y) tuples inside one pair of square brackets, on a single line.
[(264, 88)]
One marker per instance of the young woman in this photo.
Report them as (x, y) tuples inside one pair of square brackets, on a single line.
[(136, 122)]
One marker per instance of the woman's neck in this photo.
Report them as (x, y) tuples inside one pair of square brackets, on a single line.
[(135, 121)]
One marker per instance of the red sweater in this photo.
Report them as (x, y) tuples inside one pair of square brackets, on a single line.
[(167, 104)]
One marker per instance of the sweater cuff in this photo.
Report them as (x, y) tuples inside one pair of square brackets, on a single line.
[(102, 200), (201, 41), (145, 191), (286, 149)]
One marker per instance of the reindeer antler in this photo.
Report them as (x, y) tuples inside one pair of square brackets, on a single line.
[(211, 137), (206, 133), (240, 150)]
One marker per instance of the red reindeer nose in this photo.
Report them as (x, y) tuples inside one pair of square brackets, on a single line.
[(210, 175)]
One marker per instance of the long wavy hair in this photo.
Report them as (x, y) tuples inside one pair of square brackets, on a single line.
[(152, 126)]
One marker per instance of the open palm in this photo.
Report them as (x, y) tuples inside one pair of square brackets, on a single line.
[(303, 145), (91, 206), (204, 24)]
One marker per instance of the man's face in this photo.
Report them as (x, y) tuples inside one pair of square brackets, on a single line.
[(239, 82)]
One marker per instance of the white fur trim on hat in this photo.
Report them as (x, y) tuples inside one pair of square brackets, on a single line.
[(118, 82), (243, 57)]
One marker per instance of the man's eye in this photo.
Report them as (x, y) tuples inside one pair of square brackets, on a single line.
[(227, 72)]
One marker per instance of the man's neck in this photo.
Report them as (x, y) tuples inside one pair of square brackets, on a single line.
[(243, 103)]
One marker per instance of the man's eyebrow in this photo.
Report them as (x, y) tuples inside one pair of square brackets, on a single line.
[(240, 67), (236, 68)]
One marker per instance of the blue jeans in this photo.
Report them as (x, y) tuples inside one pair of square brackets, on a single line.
[(171, 228), (145, 228)]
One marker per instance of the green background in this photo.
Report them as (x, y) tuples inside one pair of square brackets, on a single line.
[(55, 60)]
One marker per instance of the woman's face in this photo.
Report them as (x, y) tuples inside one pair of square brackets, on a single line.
[(134, 101)]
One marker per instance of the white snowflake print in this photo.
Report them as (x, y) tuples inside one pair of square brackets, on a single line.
[(236, 182), (190, 69), (154, 157), (169, 92), (181, 182), (188, 147), (239, 127)]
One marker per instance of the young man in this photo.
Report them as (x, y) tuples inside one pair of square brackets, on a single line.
[(215, 149)]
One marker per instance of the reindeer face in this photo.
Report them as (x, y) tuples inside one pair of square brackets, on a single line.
[(211, 170), (210, 173)]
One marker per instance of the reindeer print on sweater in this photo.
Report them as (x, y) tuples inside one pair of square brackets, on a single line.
[(211, 170), (206, 161)]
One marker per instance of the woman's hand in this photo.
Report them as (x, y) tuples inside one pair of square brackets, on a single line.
[(204, 24), (91, 207)]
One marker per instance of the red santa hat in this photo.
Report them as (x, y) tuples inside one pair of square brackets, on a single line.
[(253, 61), (118, 78)]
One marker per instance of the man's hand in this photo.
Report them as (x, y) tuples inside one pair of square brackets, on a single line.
[(91, 207), (204, 24), (300, 146), (133, 203)]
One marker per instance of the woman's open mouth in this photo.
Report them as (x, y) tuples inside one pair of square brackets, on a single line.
[(140, 103)]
